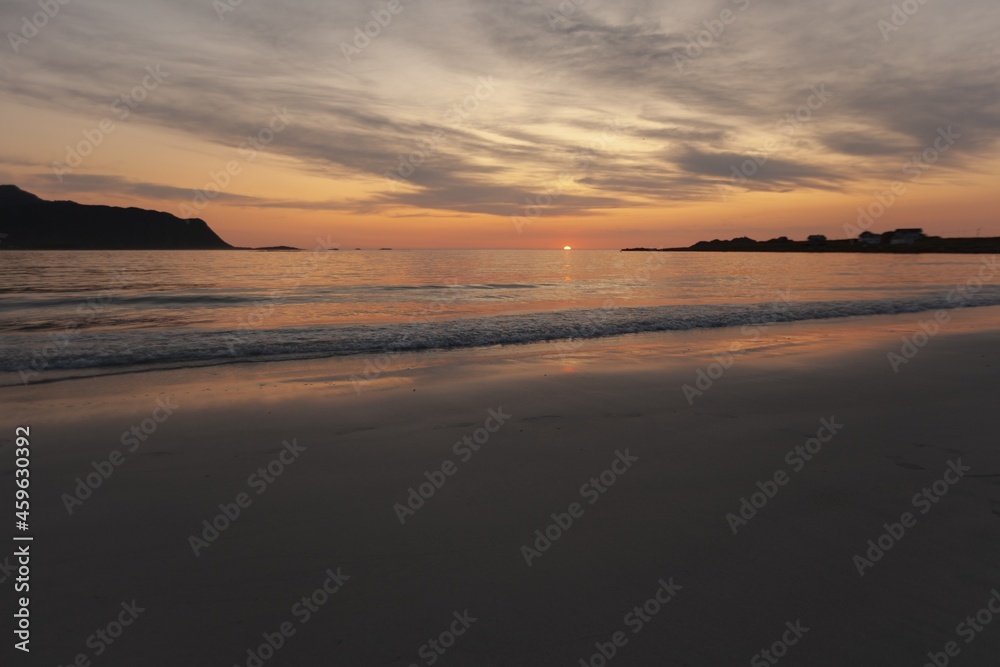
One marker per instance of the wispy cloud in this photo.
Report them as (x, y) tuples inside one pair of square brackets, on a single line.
[(561, 81)]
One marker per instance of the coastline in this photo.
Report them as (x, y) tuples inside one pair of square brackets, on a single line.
[(520, 335), (570, 412), (846, 247)]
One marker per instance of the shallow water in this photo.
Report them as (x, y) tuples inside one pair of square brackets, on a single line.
[(65, 310)]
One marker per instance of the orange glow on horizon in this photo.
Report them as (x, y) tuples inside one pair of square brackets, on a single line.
[(277, 200)]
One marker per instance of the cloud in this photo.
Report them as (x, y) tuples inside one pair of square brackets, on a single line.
[(115, 185), (562, 77), (766, 171)]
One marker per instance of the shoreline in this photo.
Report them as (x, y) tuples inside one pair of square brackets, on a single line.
[(897, 250), (966, 318), (563, 421), (973, 245)]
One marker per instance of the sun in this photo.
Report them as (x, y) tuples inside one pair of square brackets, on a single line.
[(566, 247)]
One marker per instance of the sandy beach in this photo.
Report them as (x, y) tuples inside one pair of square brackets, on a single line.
[(392, 521), (382, 333)]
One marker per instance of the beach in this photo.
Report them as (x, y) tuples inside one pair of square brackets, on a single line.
[(500, 334), (392, 520)]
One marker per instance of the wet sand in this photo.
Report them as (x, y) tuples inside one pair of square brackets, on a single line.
[(603, 435)]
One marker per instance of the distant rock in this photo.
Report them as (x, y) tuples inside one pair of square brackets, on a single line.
[(28, 222), (901, 241)]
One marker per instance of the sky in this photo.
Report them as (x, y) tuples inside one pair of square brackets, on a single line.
[(510, 124)]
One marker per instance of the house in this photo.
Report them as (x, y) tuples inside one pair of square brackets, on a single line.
[(906, 236), (868, 238), (817, 239)]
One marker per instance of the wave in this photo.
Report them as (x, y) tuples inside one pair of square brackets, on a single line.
[(13, 301), (18, 303), (80, 349)]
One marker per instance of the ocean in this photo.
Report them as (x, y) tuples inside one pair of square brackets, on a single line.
[(97, 312)]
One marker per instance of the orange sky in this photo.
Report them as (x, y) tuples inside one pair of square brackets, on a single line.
[(601, 128)]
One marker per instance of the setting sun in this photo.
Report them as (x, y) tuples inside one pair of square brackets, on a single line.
[(337, 227)]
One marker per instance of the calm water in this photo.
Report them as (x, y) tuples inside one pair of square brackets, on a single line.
[(68, 310)]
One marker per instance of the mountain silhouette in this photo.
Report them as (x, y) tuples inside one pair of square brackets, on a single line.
[(28, 222)]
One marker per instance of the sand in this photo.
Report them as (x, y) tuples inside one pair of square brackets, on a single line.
[(454, 570)]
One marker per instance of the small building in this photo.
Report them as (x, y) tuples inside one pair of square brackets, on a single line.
[(906, 236), (817, 239), (870, 239)]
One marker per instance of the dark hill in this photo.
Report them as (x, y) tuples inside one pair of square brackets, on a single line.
[(31, 223)]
